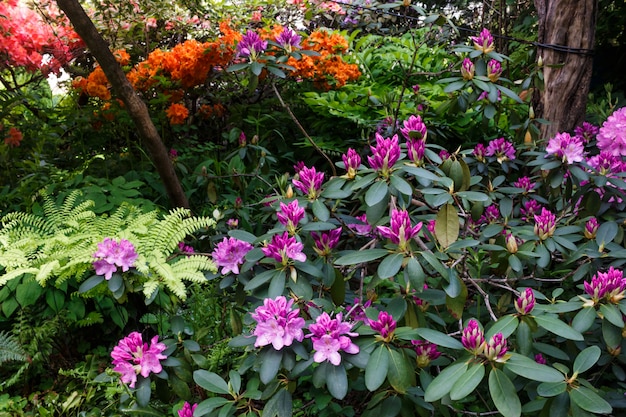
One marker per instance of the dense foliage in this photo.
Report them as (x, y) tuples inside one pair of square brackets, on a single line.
[(377, 227)]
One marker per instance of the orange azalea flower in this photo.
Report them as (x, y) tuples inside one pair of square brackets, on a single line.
[(177, 114), (122, 57), (14, 139)]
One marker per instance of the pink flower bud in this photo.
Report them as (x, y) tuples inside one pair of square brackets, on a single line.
[(494, 69), (484, 41), (473, 338), (525, 302), (591, 228), (495, 348), (467, 69)]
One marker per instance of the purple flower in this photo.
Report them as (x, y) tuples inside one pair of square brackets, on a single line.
[(530, 208), (473, 338), (502, 149), (444, 154), (185, 249), (612, 135), (494, 70), (309, 182), (187, 410), (357, 311), (414, 128), (587, 131), (133, 357), (467, 69), (495, 348), (607, 164), (352, 162), (288, 39), (479, 152), (591, 228), (363, 228), (415, 150), (385, 325), (330, 336), (277, 324), (232, 223), (566, 148), (484, 41), (400, 230), (251, 45), (540, 359), (491, 214), (284, 248), (425, 351), (609, 285), (384, 155), (229, 254), (112, 254), (290, 215), (416, 88), (525, 302), (525, 184), (545, 224), (325, 242)]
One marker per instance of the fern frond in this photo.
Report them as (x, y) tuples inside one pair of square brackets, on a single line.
[(8, 276), (10, 349), (92, 318)]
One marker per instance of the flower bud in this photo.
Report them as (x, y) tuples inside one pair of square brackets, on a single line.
[(591, 228), (467, 69), (511, 243), (495, 348), (473, 338), (525, 302)]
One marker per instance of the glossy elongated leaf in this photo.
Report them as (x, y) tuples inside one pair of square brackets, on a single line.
[(447, 225), (467, 382), (589, 401), (401, 185), (357, 257), (584, 319), (528, 368), (143, 391), (400, 372), (376, 369), (456, 305), (242, 235), (612, 314), (586, 359), (336, 380), (505, 325), (376, 193), (551, 389), (556, 326), (443, 383), (503, 394), (210, 381), (415, 273), (210, 404), (90, 283), (606, 233), (320, 210), (270, 364), (438, 338), (390, 266), (280, 405)]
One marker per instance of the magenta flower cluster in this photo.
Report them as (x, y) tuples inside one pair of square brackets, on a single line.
[(484, 41), (330, 337), (309, 182), (290, 215), (352, 162), (591, 228), (467, 69), (612, 134), (325, 242), (385, 325), (112, 254), (251, 45), (525, 303), (277, 323), (502, 149), (229, 254), (132, 357), (473, 338), (187, 410), (400, 231), (568, 149), (545, 224), (384, 155), (609, 285), (288, 39), (494, 70), (425, 352), (284, 248)]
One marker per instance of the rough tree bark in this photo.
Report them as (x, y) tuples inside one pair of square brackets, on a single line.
[(567, 75), (134, 105)]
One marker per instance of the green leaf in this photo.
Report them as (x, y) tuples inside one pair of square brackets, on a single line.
[(443, 383), (612, 314), (271, 360), (586, 359), (473, 195), (528, 368), (90, 283), (143, 391), (27, 293), (390, 266), (435, 263), (589, 401), (456, 305), (400, 373), (210, 404), (401, 185), (336, 380), (242, 235), (320, 210), (415, 273), (438, 338), (447, 225), (503, 394), (505, 325), (454, 86), (210, 381), (551, 389), (280, 405), (376, 193), (262, 278), (357, 257), (606, 233), (376, 369), (584, 319), (467, 382), (55, 299), (556, 326)]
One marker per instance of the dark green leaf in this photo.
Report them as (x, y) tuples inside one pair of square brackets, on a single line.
[(210, 381), (589, 401), (556, 326), (584, 319), (503, 394), (551, 389), (505, 325), (376, 369), (528, 368), (270, 364), (320, 210), (143, 391), (586, 359), (280, 405), (612, 313), (357, 257), (90, 283), (400, 373), (467, 382), (390, 265), (438, 338), (376, 193), (336, 380), (208, 405), (443, 383)]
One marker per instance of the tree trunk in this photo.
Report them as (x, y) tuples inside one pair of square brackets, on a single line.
[(567, 74), (135, 106)]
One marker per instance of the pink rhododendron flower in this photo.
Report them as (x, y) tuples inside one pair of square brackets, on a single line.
[(484, 41), (283, 248), (290, 215), (540, 359), (385, 325), (133, 357), (609, 285), (502, 149), (479, 152), (288, 39), (352, 162), (586, 131), (612, 134), (309, 182), (425, 352), (473, 338), (566, 148), (363, 228), (229, 254), (415, 150), (467, 69), (491, 215), (277, 324), (414, 128), (591, 228), (400, 230), (545, 224), (187, 410), (325, 242), (112, 254), (529, 209), (496, 347), (607, 164), (330, 336), (384, 155), (494, 70), (525, 303), (251, 45), (525, 184)]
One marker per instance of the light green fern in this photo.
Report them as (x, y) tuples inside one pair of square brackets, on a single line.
[(10, 349), (59, 244)]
